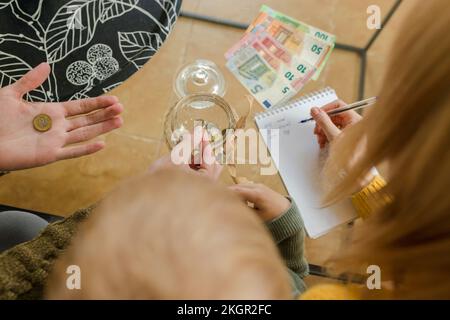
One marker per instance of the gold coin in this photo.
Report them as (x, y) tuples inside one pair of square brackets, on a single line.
[(42, 122)]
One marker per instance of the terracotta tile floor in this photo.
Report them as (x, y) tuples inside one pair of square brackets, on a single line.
[(63, 187)]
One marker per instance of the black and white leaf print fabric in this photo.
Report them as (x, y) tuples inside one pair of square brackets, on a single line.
[(12, 69), (139, 46), (113, 9), (4, 3), (92, 46), (72, 27)]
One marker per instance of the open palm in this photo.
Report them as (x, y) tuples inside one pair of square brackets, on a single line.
[(73, 123)]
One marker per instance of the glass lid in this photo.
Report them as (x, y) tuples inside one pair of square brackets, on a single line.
[(200, 77)]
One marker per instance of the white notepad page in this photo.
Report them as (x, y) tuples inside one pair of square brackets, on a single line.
[(300, 161)]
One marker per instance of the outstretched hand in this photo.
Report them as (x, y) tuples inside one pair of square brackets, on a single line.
[(74, 123)]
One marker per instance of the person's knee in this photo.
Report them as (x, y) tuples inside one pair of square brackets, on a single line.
[(17, 227)]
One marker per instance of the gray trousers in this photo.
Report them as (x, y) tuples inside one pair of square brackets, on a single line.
[(17, 227)]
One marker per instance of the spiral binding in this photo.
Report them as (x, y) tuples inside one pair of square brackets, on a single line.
[(310, 97)]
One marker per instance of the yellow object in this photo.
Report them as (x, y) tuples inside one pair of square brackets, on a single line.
[(331, 292), (42, 122), (366, 202), (371, 198)]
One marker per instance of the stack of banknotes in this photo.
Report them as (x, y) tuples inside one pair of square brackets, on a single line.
[(277, 56)]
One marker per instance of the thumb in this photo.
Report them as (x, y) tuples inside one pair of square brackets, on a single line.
[(32, 79), (324, 121)]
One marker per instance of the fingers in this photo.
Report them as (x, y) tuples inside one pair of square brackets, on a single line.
[(342, 119), (182, 152), (193, 142), (325, 123), (32, 79), (79, 107), (90, 132), (247, 185), (79, 151), (333, 105), (95, 117), (328, 127), (200, 157), (208, 158), (247, 193), (322, 140), (209, 164)]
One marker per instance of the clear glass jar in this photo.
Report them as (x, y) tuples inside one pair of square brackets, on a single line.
[(219, 118)]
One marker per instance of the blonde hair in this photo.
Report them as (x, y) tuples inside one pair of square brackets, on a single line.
[(172, 235), (409, 129)]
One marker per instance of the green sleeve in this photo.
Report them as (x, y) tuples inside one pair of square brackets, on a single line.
[(289, 234), (24, 268)]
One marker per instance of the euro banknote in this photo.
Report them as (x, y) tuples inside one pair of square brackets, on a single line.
[(313, 43), (277, 56), (259, 77), (296, 69)]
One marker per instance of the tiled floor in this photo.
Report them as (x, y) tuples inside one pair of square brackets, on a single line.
[(63, 187)]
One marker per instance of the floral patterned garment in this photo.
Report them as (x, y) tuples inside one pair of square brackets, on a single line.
[(91, 45)]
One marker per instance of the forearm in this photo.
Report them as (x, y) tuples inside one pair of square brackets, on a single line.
[(289, 235), (25, 267)]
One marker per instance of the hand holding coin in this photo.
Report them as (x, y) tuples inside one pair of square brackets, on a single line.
[(39, 133)]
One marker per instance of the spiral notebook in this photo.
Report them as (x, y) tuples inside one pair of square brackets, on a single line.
[(299, 161)]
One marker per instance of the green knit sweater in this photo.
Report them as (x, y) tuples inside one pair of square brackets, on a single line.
[(288, 233), (24, 269)]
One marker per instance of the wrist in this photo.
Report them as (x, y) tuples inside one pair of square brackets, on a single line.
[(287, 224), (282, 205)]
